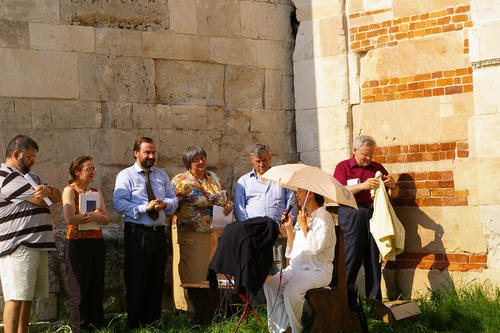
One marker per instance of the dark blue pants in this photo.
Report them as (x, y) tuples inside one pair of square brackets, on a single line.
[(361, 249), (85, 267), (145, 262)]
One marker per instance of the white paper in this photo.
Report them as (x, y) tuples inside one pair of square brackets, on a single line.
[(219, 220), (35, 185), (89, 201), (353, 181)]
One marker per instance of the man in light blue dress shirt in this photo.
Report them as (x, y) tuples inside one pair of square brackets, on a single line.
[(145, 238), (256, 197)]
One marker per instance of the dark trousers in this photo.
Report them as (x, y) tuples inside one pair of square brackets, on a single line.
[(145, 262), (85, 266), (360, 248)]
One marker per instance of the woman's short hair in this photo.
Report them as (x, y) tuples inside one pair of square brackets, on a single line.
[(190, 152), (76, 165)]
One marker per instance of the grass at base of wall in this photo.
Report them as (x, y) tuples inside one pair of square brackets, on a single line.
[(474, 309)]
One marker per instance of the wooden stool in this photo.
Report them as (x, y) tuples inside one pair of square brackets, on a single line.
[(331, 311)]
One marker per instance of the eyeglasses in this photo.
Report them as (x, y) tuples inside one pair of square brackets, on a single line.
[(31, 157), (90, 169), (366, 154), (198, 160)]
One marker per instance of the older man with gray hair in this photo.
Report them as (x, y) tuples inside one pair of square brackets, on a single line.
[(257, 197), (358, 175)]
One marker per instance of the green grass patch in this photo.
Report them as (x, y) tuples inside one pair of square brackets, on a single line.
[(473, 309)]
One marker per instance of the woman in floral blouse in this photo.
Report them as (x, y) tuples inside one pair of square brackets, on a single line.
[(198, 191)]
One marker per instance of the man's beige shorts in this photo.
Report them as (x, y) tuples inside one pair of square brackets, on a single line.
[(25, 274)]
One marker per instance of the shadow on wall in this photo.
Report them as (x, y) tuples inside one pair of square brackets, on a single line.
[(402, 276)]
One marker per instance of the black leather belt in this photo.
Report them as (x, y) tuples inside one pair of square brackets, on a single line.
[(154, 228), (366, 205)]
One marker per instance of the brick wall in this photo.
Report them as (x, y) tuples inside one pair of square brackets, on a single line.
[(365, 37), (461, 262), (430, 188), (426, 188), (388, 33)]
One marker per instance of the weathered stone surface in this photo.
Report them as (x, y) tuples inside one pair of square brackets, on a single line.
[(118, 42), (14, 34), (163, 45), (194, 83), (408, 8), (46, 11), (308, 3), (15, 113), (304, 41), (486, 81), (273, 89), (412, 56), (171, 144), (189, 117), (470, 233), (481, 47), (488, 181), (153, 116), (318, 11), (465, 174), (244, 87), (280, 145), (316, 131), (183, 16), (265, 21), (367, 121), (275, 55), (315, 87), (54, 114), (234, 51), (270, 121), (144, 15), (489, 218), (116, 146), (486, 135), (229, 120), (218, 18), (61, 37), (484, 11), (119, 79), (39, 74), (45, 308), (287, 94), (139, 116)]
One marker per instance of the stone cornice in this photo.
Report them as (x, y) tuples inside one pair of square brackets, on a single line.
[(486, 63)]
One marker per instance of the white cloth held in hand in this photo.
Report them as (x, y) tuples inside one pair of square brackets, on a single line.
[(385, 227)]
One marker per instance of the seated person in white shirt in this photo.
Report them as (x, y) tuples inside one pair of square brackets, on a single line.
[(311, 249)]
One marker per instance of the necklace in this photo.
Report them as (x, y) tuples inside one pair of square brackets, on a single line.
[(198, 183)]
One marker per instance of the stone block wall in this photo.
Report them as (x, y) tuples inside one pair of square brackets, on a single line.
[(89, 77)]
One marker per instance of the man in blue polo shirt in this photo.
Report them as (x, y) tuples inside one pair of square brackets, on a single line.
[(358, 175)]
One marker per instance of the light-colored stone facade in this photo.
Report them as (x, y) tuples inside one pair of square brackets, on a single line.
[(421, 77), (89, 77)]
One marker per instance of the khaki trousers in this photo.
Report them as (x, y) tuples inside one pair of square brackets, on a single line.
[(191, 256)]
